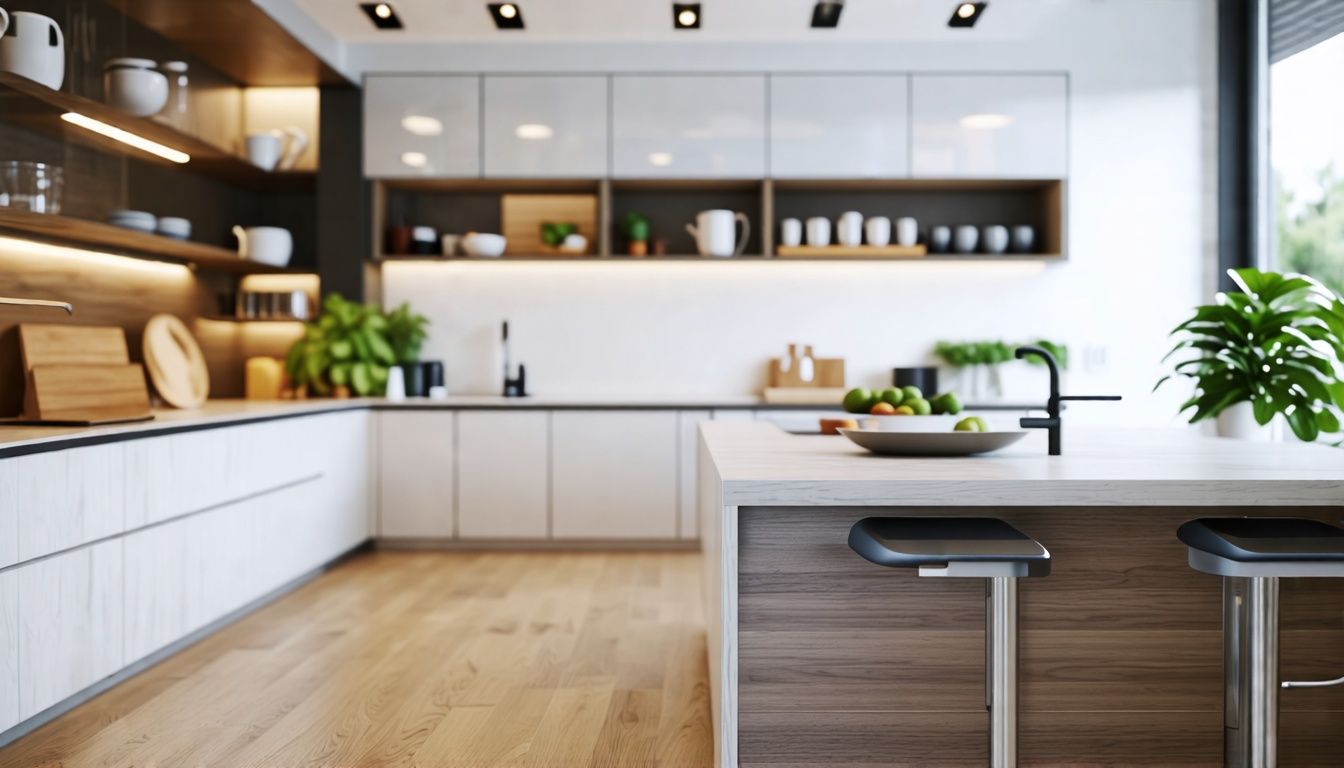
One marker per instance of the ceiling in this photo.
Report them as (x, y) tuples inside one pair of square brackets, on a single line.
[(625, 21)]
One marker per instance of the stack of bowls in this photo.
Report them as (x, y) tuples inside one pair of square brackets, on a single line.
[(140, 221), (174, 227)]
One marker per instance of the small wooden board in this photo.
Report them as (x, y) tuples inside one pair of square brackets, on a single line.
[(44, 344), (851, 251), (87, 394), (521, 217), (175, 363), (829, 396), (830, 372)]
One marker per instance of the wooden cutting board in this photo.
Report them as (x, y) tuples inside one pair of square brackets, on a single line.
[(175, 363), (521, 217), (86, 394), (43, 344)]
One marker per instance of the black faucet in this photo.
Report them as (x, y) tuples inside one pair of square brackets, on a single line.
[(1052, 421), (514, 386)]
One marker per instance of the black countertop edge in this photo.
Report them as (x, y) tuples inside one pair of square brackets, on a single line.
[(82, 441)]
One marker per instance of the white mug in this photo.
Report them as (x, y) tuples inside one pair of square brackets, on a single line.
[(818, 231), (878, 230), (907, 231), (965, 238), (4, 21), (396, 384), (1024, 238), (715, 231), (791, 232), (33, 47), (994, 238), (940, 239), (264, 149), (267, 245), (849, 228)]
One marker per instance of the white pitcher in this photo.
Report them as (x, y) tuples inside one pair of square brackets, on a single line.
[(268, 245), (715, 232), (33, 47)]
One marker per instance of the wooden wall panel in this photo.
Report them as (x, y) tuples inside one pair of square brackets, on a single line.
[(846, 663)]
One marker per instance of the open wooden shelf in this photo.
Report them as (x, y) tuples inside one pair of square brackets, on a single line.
[(31, 105), (62, 230)]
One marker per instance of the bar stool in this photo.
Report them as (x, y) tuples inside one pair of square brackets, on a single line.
[(969, 547), (1252, 554)]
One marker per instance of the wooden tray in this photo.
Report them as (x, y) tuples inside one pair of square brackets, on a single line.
[(851, 251)]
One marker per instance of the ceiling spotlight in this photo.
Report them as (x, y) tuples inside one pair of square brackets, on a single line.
[(986, 121), (966, 14), (826, 14), (685, 15), (660, 159), (506, 15), (422, 125), (414, 159), (383, 15), (534, 131)]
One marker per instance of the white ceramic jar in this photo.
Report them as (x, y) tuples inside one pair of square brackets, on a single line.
[(135, 87)]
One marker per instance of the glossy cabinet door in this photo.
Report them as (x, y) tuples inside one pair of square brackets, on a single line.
[(415, 492), (614, 474), (422, 126), (839, 126), (502, 469), (989, 126), (688, 126), (539, 127)]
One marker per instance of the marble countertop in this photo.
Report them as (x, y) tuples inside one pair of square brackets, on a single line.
[(759, 464)]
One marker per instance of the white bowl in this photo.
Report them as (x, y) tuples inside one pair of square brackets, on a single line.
[(940, 423), (135, 87), (485, 246), (172, 226)]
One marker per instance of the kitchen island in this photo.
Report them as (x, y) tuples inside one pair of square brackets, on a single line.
[(818, 657)]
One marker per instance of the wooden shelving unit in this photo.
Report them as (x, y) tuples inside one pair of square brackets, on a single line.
[(461, 204), (34, 106), (62, 230)]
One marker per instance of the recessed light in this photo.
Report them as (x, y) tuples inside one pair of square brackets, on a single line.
[(985, 121), (660, 159), (126, 137), (534, 131), (966, 14), (422, 125), (685, 15), (414, 159), (383, 15), (506, 15), (826, 14)]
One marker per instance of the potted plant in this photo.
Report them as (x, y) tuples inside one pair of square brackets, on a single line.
[(344, 350), (1273, 349), (977, 363), (406, 332), (636, 230)]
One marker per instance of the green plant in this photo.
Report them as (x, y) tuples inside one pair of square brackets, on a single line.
[(968, 353), (553, 233), (345, 346), (635, 227), (406, 332), (1278, 343)]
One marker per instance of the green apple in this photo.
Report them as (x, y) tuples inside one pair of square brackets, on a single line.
[(920, 406), (891, 395), (912, 393), (946, 403), (859, 400), (970, 424)]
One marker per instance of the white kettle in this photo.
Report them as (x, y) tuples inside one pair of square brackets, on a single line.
[(715, 232), (32, 46)]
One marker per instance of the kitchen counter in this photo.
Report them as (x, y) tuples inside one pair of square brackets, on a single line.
[(817, 656)]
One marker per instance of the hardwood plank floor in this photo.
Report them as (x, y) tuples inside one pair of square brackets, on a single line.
[(425, 659)]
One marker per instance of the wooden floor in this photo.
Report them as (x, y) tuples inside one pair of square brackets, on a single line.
[(425, 659)]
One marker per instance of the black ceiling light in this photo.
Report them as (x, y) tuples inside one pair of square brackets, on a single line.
[(506, 15), (966, 14), (826, 14), (685, 15), (383, 15)]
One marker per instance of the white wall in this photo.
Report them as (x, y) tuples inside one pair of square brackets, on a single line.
[(1140, 223)]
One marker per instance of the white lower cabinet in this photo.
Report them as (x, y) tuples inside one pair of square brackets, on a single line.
[(9, 512), (502, 474), (614, 474), (415, 491), (9, 649), (70, 497), (70, 624), (688, 448), (155, 599)]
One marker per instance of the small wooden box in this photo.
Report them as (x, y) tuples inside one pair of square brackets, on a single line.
[(521, 217)]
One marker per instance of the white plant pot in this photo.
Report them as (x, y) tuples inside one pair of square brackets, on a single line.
[(1238, 421)]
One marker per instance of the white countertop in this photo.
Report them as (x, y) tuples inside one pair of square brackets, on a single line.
[(758, 464)]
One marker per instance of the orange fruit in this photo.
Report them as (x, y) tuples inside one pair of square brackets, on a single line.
[(883, 409)]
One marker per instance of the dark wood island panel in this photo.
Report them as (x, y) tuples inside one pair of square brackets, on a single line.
[(844, 663)]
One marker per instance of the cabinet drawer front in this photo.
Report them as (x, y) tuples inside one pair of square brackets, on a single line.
[(614, 474), (502, 475), (71, 497), (9, 512), (9, 649)]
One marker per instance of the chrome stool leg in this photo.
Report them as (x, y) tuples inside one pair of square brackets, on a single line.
[(1251, 671), (1001, 671)]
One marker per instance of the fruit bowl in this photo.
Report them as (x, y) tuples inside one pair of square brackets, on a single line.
[(938, 423)]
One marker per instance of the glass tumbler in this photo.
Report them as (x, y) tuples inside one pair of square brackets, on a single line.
[(30, 186)]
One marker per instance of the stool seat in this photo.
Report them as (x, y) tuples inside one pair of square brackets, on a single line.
[(949, 546), (1264, 546)]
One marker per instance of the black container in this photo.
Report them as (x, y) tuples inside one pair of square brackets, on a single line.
[(415, 380), (432, 370), (924, 377)]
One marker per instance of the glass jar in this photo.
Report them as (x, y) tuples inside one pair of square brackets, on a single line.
[(30, 186)]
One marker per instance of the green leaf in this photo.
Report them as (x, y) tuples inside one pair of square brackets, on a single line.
[(341, 350), (1263, 409), (361, 379), (1303, 423), (1327, 421)]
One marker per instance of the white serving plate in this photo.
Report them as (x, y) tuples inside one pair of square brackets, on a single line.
[(931, 443), (939, 423)]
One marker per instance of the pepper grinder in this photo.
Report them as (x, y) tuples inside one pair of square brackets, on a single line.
[(514, 385)]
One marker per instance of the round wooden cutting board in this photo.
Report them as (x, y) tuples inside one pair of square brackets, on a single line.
[(175, 363)]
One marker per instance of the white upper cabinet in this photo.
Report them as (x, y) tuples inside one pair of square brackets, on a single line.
[(839, 126), (696, 126), (990, 126), (545, 127), (422, 126)]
